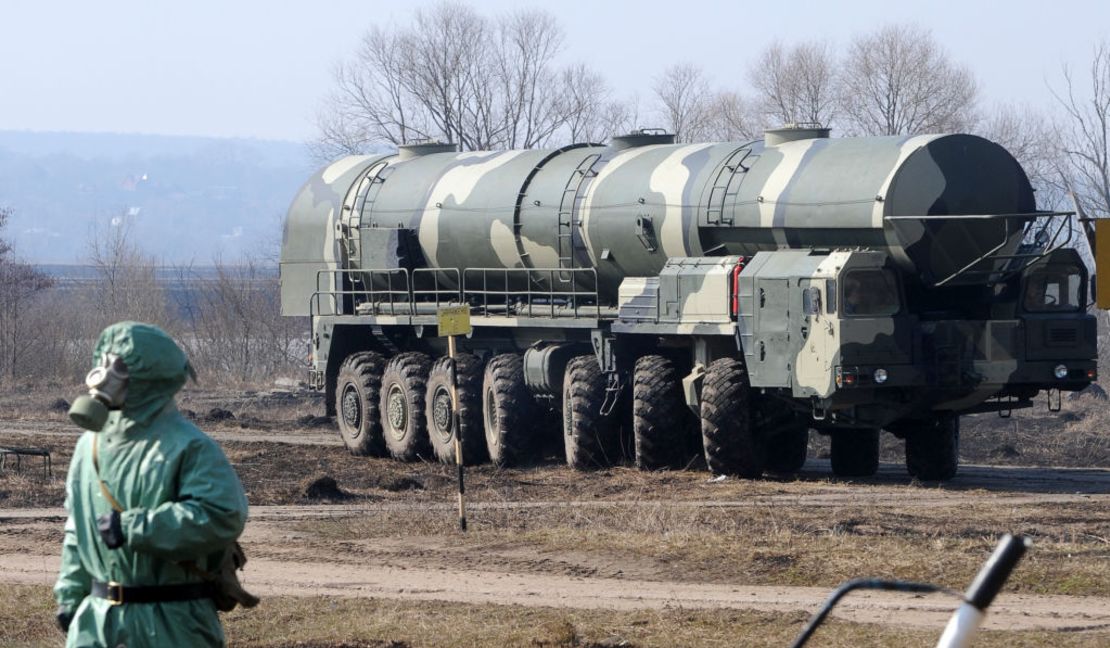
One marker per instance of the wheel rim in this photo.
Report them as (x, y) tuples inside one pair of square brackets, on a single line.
[(442, 413), (352, 410), (397, 412)]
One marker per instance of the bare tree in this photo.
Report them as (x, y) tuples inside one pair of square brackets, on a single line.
[(1027, 134), (232, 323), (20, 283), (1085, 134), (590, 113), (453, 75), (127, 286), (684, 101), (732, 118), (796, 84), (899, 81)]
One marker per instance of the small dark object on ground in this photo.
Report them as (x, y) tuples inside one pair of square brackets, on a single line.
[(1007, 451), (217, 414), (59, 405), (1071, 417), (323, 487), (189, 414), (312, 421)]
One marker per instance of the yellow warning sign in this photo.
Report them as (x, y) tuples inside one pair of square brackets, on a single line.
[(453, 320), (1102, 262)]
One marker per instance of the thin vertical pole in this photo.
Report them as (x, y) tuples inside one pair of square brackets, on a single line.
[(458, 431)]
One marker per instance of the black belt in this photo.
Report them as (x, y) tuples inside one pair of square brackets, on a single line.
[(120, 594)]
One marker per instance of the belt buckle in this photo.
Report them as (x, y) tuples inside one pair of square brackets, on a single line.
[(118, 587)]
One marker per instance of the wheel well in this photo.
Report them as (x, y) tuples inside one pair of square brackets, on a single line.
[(345, 340)]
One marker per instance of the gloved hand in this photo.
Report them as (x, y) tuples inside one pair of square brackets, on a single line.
[(111, 529), (64, 616)]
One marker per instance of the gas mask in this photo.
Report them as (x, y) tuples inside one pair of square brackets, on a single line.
[(107, 385)]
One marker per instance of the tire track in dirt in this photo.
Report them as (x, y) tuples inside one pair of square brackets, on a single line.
[(300, 579)]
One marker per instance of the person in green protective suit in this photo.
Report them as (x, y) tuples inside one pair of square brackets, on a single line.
[(153, 504)]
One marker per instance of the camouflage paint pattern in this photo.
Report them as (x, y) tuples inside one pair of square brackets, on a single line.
[(308, 243), (633, 208)]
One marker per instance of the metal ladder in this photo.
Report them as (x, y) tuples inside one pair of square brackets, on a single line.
[(719, 194), (565, 236)]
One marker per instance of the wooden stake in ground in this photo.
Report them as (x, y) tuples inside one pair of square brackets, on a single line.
[(452, 321)]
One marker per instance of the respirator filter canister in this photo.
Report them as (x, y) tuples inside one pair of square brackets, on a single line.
[(107, 385)]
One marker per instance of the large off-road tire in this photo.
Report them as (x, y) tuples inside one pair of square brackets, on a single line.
[(933, 449), (786, 450), (357, 390), (733, 445), (508, 412), (855, 453), (402, 406), (664, 429), (590, 439), (438, 411)]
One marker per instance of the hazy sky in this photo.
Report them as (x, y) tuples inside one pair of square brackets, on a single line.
[(259, 69)]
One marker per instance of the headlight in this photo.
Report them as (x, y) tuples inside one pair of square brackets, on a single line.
[(1061, 372), (879, 376)]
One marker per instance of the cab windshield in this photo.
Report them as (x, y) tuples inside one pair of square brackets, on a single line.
[(1054, 288), (871, 292)]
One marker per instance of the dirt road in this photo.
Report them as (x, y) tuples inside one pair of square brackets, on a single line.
[(432, 569)]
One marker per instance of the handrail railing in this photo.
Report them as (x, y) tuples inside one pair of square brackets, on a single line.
[(524, 299), (371, 296), (488, 291), (439, 291), (1014, 260)]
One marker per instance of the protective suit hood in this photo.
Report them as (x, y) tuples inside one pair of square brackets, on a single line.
[(158, 369)]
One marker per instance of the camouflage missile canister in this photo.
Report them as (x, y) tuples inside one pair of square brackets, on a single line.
[(729, 297), (626, 208)]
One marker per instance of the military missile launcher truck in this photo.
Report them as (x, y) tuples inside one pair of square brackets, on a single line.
[(716, 300)]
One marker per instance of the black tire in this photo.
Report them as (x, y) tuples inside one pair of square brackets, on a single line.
[(590, 439), (508, 412), (732, 444), (933, 449), (854, 453), (438, 412), (786, 450), (402, 406), (357, 390), (664, 429)]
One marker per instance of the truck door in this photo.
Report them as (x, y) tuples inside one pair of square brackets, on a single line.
[(771, 360), (813, 371)]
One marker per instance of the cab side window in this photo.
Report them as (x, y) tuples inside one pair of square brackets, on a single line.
[(1054, 288), (870, 292)]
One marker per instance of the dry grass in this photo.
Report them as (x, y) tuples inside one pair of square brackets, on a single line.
[(811, 546), (26, 620)]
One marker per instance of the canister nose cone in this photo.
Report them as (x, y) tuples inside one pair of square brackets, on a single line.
[(88, 413)]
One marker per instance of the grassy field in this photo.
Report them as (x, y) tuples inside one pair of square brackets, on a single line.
[(323, 622)]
